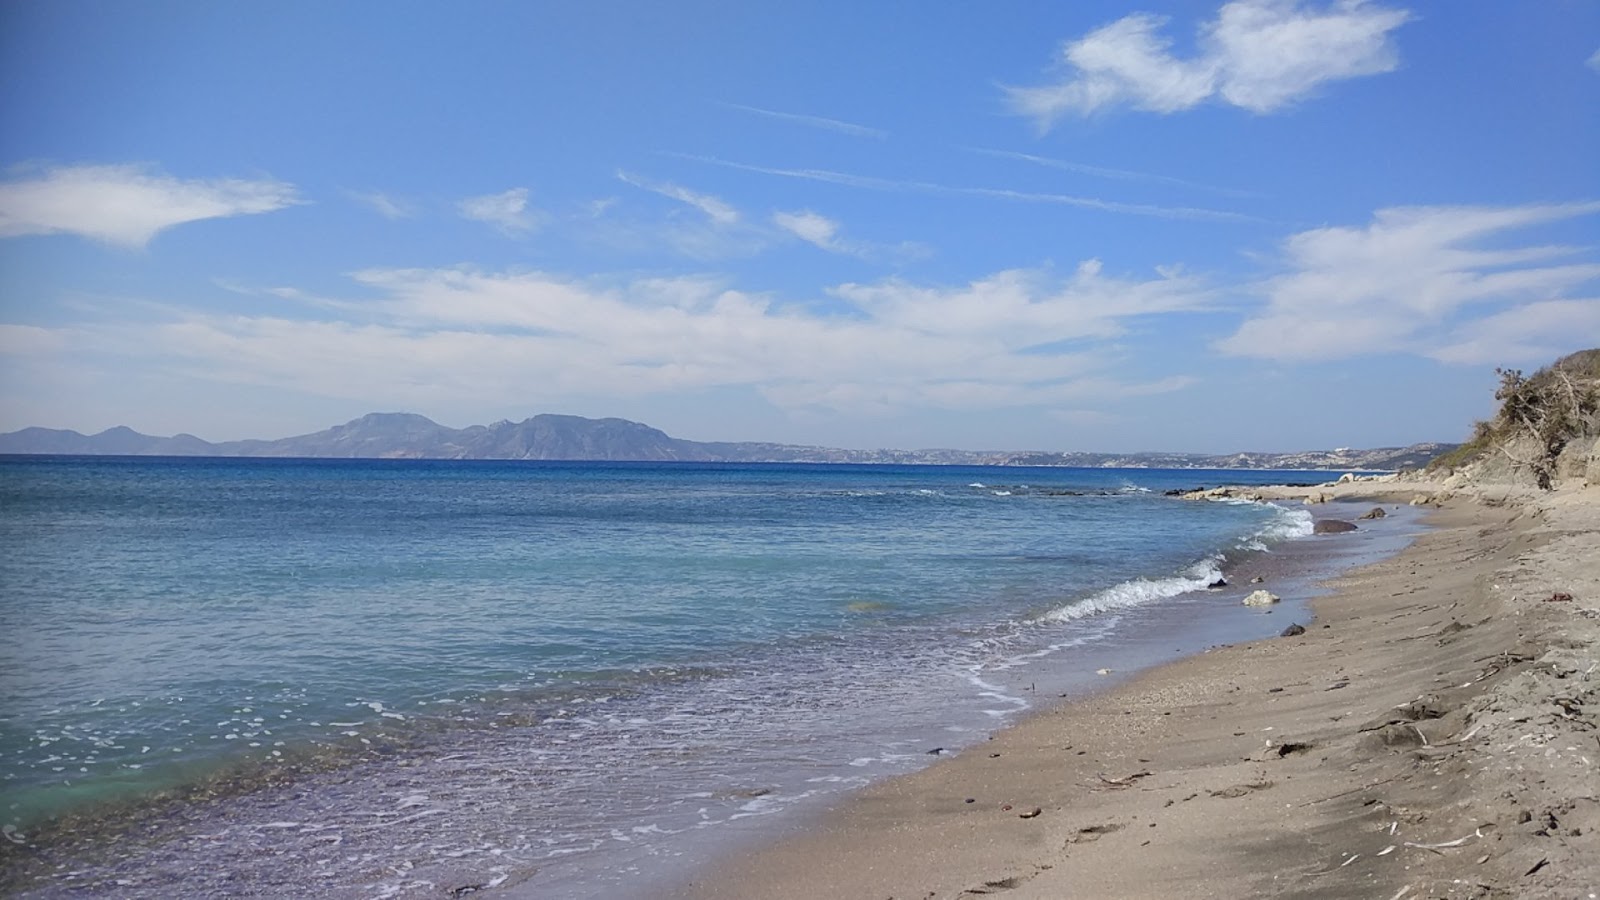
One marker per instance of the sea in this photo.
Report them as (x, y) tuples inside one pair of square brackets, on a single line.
[(406, 678)]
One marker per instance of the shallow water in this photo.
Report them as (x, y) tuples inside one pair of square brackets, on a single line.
[(392, 675)]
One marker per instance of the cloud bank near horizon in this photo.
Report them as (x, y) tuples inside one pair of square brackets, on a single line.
[(1442, 283)]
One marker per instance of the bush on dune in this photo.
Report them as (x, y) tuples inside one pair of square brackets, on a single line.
[(1539, 416)]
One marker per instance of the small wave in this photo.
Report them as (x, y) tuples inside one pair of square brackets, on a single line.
[(977, 484), (1287, 525), (1138, 592), (1001, 493)]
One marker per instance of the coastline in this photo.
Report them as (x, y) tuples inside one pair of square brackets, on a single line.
[(1427, 736)]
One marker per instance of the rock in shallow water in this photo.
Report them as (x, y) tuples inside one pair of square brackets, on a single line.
[(1261, 598), (1332, 526)]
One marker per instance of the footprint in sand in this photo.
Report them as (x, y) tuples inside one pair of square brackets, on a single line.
[(1094, 833), (990, 887), (1239, 790)]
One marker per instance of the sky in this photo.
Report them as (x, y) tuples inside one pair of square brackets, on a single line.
[(1252, 225)]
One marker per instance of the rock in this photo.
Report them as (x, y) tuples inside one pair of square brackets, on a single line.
[(1102, 671), (1316, 497), (1332, 526), (1219, 583), (1261, 598), (1376, 512), (1030, 814), (1347, 478), (1257, 580), (1292, 631)]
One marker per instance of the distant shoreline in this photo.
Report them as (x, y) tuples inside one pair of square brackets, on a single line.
[(552, 437)]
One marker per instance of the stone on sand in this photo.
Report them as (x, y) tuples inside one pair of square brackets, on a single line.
[(1261, 598)]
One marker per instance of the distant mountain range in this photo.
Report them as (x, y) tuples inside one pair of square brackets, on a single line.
[(551, 437)]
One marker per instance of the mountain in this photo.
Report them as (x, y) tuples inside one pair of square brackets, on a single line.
[(553, 437), (118, 441)]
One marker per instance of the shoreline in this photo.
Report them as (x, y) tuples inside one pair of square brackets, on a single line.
[(138, 853), (1407, 745)]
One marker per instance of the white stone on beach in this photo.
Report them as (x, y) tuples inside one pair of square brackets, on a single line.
[(1261, 598)]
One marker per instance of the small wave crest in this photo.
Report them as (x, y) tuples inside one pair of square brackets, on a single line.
[(1287, 525), (1139, 592)]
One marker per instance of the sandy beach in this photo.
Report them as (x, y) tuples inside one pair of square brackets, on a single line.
[(1432, 734)]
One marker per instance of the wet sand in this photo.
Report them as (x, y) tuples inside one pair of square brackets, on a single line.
[(1432, 734)]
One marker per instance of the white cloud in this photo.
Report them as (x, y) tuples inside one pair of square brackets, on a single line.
[(808, 226), (714, 208), (1419, 280), (1261, 55), (1594, 61), (383, 204), (127, 204), (1534, 332), (815, 229), (814, 122), (469, 339), (507, 211)]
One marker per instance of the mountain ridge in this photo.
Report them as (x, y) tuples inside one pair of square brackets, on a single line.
[(549, 436)]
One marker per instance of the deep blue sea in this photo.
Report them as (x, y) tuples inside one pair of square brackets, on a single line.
[(370, 678)]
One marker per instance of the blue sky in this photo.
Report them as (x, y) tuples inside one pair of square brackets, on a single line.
[(1262, 224)]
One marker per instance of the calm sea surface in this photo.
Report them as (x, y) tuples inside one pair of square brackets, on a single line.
[(380, 677)]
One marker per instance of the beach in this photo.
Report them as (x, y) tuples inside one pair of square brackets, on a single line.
[(1431, 734)]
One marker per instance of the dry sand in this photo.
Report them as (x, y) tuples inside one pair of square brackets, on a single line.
[(1432, 735)]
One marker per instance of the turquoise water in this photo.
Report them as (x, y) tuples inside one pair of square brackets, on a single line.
[(239, 623)]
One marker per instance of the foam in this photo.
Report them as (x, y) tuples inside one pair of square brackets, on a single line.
[(1138, 592), (1286, 524)]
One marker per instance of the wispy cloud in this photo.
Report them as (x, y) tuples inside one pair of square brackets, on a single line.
[(127, 205), (824, 233), (1430, 281), (715, 209), (813, 121), (1594, 61), (868, 182), (385, 205), (1103, 172), (507, 211), (702, 227), (1260, 55)]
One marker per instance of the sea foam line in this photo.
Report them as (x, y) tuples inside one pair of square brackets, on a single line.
[(1286, 524)]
